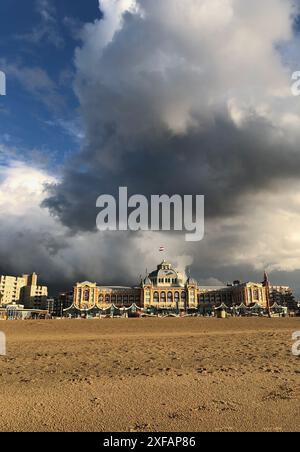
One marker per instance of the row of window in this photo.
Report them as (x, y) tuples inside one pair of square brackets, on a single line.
[(163, 296), (112, 298), (166, 280)]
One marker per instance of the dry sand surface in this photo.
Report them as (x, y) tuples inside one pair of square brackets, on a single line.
[(150, 375)]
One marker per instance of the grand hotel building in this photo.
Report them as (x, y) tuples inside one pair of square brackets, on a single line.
[(163, 288), (167, 289)]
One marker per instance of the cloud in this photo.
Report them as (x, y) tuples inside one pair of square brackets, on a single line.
[(36, 81), (182, 97), (33, 240), (47, 30), (167, 89), (72, 127)]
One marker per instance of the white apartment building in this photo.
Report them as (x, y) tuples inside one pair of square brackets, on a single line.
[(22, 290)]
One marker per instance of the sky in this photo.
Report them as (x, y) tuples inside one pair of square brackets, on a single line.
[(170, 97)]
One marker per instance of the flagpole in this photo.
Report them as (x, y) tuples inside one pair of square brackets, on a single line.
[(267, 287)]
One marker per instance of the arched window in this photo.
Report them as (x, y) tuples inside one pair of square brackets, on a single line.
[(86, 295), (156, 297), (107, 298), (163, 297), (101, 298), (183, 295), (170, 297), (176, 296)]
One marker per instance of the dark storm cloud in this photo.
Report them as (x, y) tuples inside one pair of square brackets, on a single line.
[(174, 102), (222, 162), (178, 97), (169, 107)]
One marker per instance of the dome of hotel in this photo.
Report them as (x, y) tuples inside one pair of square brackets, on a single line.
[(164, 270), (165, 274)]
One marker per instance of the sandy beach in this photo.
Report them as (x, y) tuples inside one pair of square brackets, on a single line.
[(150, 375)]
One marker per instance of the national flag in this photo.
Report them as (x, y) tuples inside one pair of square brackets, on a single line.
[(161, 249)]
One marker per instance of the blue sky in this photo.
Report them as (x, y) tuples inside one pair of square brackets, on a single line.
[(38, 38), (197, 90), (39, 116)]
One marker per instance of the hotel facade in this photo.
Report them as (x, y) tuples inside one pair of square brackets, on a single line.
[(167, 290)]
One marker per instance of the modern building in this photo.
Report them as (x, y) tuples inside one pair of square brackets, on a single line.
[(10, 288), (167, 290), (50, 305), (62, 302), (23, 290), (34, 296), (283, 296)]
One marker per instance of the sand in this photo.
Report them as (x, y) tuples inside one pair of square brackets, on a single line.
[(150, 375)]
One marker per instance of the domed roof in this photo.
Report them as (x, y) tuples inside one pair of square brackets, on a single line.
[(164, 270)]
